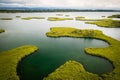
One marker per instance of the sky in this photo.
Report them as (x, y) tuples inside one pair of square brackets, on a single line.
[(82, 4)]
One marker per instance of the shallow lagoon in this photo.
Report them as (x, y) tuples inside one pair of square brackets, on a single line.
[(53, 52)]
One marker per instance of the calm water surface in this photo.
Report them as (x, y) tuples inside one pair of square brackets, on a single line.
[(53, 52)]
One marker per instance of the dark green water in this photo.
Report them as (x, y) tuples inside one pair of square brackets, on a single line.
[(56, 52)]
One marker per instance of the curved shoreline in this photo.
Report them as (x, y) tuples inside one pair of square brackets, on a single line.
[(111, 52), (9, 60), (72, 70)]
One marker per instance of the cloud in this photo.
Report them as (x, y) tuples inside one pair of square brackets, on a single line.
[(112, 4), (10, 5)]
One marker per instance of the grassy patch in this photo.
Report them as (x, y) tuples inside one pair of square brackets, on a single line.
[(81, 18), (9, 60), (112, 53), (114, 16), (18, 16), (72, 70), (106, 23), (73, 32), (1, 30), (29, 18), (5, 18), (58, 19)]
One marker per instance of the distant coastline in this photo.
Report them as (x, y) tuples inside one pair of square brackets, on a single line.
[(26, 9)]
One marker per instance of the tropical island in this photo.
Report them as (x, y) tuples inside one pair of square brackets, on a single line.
[(74, 70), (10, 59)]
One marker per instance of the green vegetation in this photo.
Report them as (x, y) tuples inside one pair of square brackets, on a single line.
[(58, 19), (1, 30), (61, 31), (114, 16), (29, 18), (81, 18), (72, 70), (18, 16), (5, 18), (111, 53), (9, 60), (106, 23)]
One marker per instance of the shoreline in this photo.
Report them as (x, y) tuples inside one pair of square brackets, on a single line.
[(12, 58), (111, 53)]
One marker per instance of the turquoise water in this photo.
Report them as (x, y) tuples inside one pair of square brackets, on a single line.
[(52, 52)]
